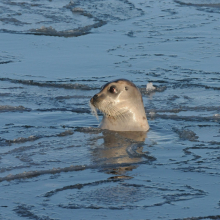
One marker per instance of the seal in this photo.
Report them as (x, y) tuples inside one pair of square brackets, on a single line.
[(122, 106)]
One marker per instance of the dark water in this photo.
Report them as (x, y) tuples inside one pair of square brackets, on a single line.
[(54, 161)]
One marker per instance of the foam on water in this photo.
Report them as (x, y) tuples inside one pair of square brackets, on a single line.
[(48, 84), (208, 3), (6, 108), (50, 31), (63, 18), (22, 139)]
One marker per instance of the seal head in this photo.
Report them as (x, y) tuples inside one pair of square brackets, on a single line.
[(121, 103)]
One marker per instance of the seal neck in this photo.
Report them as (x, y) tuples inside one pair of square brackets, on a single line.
[(126, 122)]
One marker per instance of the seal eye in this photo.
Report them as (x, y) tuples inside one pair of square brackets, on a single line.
[(112, 89)]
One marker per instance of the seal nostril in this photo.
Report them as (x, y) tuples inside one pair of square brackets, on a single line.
[(95, 97)]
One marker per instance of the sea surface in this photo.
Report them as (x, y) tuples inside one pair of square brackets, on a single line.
[(55, 163)]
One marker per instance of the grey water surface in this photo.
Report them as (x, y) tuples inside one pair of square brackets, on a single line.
[(55, 163)]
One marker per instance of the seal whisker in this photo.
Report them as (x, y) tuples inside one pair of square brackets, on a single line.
[(93, 110)]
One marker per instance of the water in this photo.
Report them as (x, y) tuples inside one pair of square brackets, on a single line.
[(54, 161)]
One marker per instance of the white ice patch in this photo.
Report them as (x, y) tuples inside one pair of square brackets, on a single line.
[(150, 87)]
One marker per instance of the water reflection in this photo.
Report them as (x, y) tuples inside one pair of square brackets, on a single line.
[(120, 151)]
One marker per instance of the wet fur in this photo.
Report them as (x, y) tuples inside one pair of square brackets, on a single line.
[(122, 111)]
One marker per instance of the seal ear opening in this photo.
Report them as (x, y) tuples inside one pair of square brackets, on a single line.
[(126, 88)]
